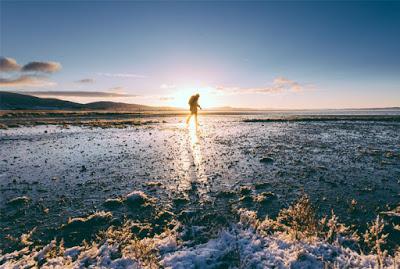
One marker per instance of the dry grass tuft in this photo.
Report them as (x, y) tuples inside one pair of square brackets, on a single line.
[(144, 251), (374, 238), (299, 220)]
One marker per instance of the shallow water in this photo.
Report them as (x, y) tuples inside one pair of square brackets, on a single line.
[(71, 172)]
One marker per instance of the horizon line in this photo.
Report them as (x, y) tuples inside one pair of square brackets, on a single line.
[(228, 107)]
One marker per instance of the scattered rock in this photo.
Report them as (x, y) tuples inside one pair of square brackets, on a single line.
[(390, 155), (267, 160), (96, 219), (187, 214), (153, 184), (83, 168), (116, 222), (19, 201), (366, 190), (264, 197), (138, 198), (321, 167), (180, 200), (245, 190), (113, 202), (262, 185), (393, 217), (246, 199), (392, 213), (78, 229), (226, 194), (353, 205)]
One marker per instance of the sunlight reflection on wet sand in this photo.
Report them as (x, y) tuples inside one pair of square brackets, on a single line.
[(195, 179)]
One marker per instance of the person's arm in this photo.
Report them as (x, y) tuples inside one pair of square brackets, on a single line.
[(199, 106)]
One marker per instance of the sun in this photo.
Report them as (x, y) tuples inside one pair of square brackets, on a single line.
[(181, 97)]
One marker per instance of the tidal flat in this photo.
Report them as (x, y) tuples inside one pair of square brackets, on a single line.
[(71, 180)]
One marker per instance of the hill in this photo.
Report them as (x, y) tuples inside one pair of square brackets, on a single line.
[(105, 105), (9, 100), (16, 101)]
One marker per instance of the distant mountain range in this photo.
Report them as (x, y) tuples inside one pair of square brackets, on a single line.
[(16, 101)]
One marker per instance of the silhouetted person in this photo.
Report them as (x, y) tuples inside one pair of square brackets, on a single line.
[(194, 104)]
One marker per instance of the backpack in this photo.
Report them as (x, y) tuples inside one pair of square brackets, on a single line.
[(192, 100)]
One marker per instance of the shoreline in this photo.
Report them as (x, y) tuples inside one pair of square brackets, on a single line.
[(108, 119)]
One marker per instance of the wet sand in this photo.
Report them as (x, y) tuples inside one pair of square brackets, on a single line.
[(69, 170)]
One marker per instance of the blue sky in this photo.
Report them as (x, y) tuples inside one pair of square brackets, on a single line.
[(244, 54)]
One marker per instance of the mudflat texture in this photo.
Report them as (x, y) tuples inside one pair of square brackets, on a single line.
[(58, 173)]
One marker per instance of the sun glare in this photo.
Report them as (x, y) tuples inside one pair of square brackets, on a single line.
[(182, 95)]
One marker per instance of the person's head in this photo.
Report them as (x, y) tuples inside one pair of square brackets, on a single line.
[(197, 95)]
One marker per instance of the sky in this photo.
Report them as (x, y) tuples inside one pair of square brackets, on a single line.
[(261, 54)]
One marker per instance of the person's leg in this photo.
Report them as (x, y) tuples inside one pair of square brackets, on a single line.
[(195, 119), (188, 118)]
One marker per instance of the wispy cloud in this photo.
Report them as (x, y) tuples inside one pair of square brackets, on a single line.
[(45, 67), (279, 85), (122, 75), (77, 94), (85, 81), (8, 65), (167, 98), (26, 81), (167, 86), (117, 89), (288, 85)]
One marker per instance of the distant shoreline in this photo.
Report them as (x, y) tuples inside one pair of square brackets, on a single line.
[(12, 101), (112, 119)]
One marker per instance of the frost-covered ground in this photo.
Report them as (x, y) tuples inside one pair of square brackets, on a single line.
[(241, 246), (53, 179)]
